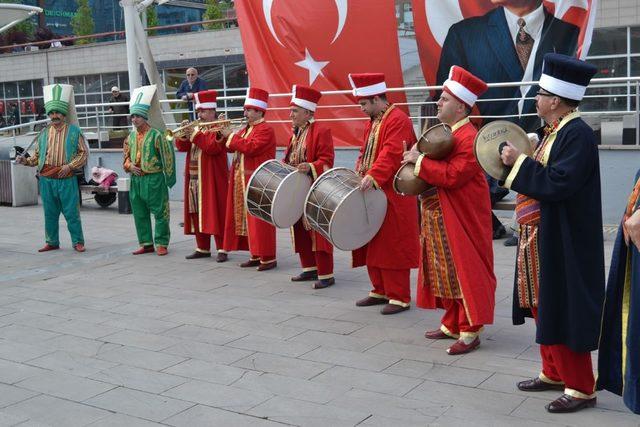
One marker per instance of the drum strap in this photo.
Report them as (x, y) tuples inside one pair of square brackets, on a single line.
[(240, 213), (298, 151), (370, 151)]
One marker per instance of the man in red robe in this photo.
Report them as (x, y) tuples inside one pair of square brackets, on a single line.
[(311, 151), (206, 176), (456, 263), (251, 145), (393, 251)]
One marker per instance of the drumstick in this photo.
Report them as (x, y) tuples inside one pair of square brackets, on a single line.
[(366, 211)]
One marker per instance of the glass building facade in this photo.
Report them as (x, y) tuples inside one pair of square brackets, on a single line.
[(108, 15)]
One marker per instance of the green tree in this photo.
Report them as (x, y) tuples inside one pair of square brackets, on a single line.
[(152, 19), (82, 23), (213, 11)]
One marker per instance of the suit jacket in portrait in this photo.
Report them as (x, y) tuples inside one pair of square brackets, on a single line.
[(484, 46)]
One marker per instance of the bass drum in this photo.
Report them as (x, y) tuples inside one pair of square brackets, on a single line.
[(337, 209), (276, 193)]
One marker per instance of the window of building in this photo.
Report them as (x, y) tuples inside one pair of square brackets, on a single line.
[(21, 102)]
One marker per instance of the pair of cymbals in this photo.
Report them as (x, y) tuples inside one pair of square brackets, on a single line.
[(490, 141)]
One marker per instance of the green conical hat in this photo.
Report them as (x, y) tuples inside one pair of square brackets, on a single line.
[(144, 103), (57, 97)]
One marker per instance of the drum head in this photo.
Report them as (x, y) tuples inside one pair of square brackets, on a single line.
[(288, 202), (357, 219), (405, 183), (436, 142), (489, 141)]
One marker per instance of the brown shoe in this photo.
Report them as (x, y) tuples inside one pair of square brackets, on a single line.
[(438, 335), (250, 263), (162, 251), (566, 403), (47, 247), (79, 247), (143, 250), (393, 309), (305, 276), (536, 384), (194, 255), (366, 302), (267, 265), (459, 347), (324, 283), (222, 257)]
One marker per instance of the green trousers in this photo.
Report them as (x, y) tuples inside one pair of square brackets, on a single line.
[(61, 196), (149, 195)]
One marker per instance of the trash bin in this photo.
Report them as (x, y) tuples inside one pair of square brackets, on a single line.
[(124, 205)]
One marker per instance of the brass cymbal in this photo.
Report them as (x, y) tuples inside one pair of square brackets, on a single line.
[(489, 142)]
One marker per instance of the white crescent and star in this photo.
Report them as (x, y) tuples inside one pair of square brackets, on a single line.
[(314, 67), (341, 5)]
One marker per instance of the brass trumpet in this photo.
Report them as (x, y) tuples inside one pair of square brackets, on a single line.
[(213, 126)]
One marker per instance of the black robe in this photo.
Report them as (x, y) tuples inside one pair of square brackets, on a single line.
[(618, 339), (570, 239)]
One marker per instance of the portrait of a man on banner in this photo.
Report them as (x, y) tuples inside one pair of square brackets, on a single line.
[(500, 41)]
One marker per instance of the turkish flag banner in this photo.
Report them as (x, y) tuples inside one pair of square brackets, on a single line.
[(318, 43), (500, 41)]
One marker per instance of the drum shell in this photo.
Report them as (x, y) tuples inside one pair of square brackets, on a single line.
[(343, 214), (436, 142), (276, 192), (405, 183)]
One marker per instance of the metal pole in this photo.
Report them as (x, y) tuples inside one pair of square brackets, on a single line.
[(98, 129), (637, 112), (130, 15)]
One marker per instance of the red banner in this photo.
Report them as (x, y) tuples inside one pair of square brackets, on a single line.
[(318, 43)]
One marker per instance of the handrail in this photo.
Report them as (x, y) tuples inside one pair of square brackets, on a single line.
[(114, 33)]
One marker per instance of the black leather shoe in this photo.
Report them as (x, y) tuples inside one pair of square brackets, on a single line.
[(197, 255), (324, 283), (305, 276), (499, 233), (566, 403), (222, 257), (267, 265), (393, 309), (366, 302), (511, 241), (250, 263), (536, 384)]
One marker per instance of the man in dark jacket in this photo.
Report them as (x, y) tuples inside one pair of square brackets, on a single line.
[(121, 112), (559, 276), (192, 84)]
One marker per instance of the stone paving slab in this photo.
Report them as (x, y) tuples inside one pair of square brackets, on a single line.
[(104, 338)]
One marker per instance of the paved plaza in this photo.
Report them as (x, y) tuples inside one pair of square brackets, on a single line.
[(104, 338)]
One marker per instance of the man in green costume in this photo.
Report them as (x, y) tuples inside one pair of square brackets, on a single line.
[(150, 160), (60, 150)]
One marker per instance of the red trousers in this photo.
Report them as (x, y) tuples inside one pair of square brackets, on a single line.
[(455, 319), (313, 260), (203, 241), (560, 364), (392, 284)]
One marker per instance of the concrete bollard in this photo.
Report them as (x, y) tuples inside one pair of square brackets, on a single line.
[(124, 205)]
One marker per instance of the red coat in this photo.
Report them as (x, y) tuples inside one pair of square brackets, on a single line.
[(258, 147), (466, 211), (320, 155), (213, 176), (396, 246)]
